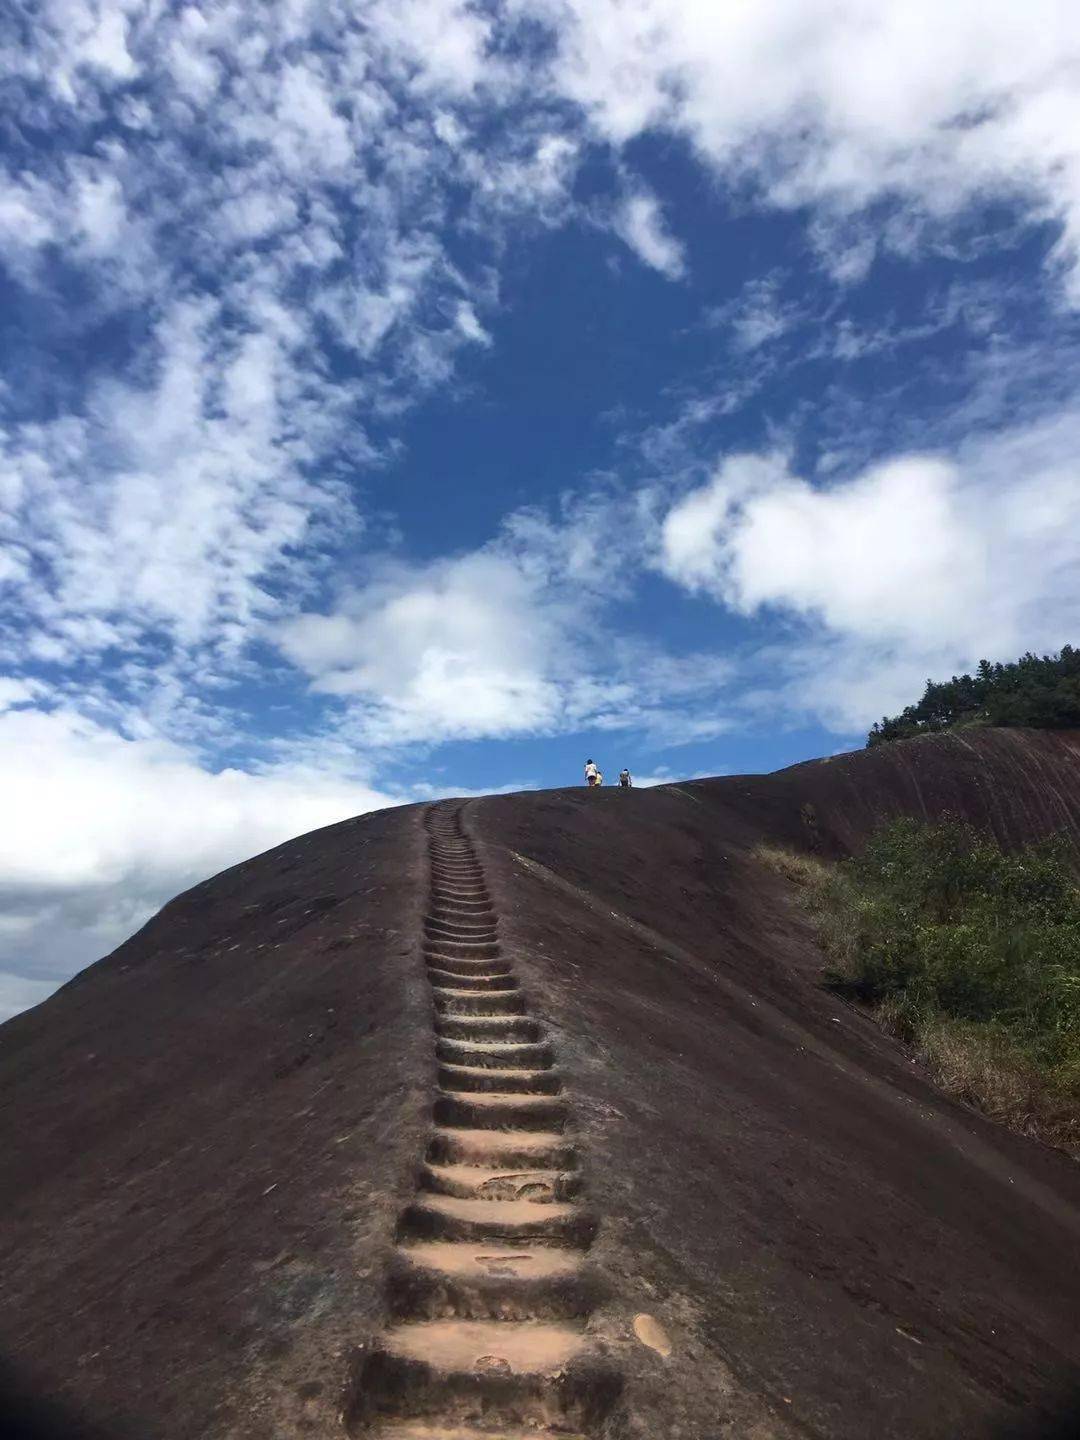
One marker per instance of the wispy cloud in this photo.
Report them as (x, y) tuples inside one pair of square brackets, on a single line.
[(638, 220), (858, 108)]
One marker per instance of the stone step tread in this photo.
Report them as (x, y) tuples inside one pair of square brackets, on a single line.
[(479, 1176), (465, 920), (408, 1430), (480, 982), (456, 927), (471, 973), (432, 956), (473, 1347), (438, 934), (500, 1212), (504, 1099), (497, 1261), (490, 1072), (538, 1140), (459, 949), (439, 976), (485, 1055), (496, 1022), (473, 942), (470, 994), (454, 1027)]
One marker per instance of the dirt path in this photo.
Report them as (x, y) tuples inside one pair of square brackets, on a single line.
[(490, 1289)]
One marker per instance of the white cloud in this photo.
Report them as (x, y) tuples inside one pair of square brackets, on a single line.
[(758, 316), (100, 213), (509, 640), (455, 650), (442, 42), (172, 504), (469, 325), (916, 566), (879, 555), (838, 106), (100, 830), (639, 221), (307, 131)]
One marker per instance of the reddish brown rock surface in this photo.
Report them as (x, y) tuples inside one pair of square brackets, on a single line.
[(208, 1137)]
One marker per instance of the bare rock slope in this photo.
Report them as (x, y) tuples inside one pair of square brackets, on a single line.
[(526, 1116)]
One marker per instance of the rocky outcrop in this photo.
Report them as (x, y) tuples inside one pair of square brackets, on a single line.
[(527, 1113)]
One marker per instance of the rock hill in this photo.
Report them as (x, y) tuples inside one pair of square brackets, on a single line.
[(527, 1116)]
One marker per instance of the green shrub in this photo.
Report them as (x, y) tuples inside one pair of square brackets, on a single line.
[(969, 953)]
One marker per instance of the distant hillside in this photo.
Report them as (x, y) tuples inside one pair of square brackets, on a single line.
[(1041, 691)]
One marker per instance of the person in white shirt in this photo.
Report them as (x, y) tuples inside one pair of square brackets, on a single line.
[(592, 774), (624, 778)]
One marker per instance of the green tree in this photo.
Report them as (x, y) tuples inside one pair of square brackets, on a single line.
[(1036, 690)]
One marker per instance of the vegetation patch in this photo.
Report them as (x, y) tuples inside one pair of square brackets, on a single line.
[(1037, 690), (969, 954)]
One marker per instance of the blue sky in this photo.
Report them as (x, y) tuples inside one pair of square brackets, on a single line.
[(402, 397)]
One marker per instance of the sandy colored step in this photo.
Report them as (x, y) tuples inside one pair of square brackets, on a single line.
[(462, 912), (442, 943), (507, 1082), (495, 1055), (444, 913), (477, 947), (491, 1374), (478, 1346), (488, 1027), (470, 964), (448, 1279), (483, 933), (449, 1217), (500, 1111), (484, 1182), (408, 1430), (476, 1002), (494, 1262), (490, 1149), (476, 943), (436, 953), (480, 983), (469, 927)]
